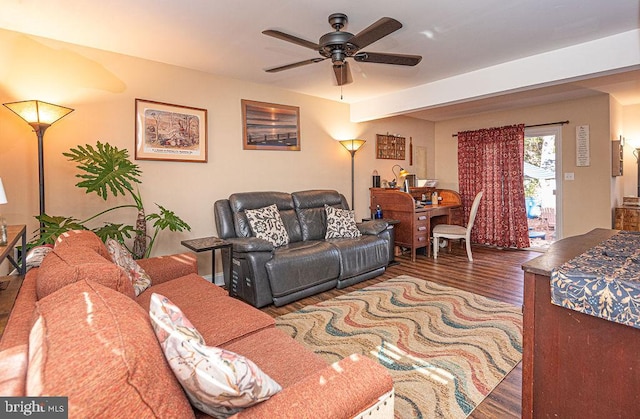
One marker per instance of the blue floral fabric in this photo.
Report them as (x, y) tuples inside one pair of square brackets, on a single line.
[(604, 281)]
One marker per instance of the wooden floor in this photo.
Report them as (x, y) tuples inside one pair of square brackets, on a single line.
[(494, 273), (9, 287)]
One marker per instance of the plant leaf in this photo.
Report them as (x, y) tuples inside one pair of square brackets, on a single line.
[(106, 168), (167, 219), (53, 226), (114, 231)]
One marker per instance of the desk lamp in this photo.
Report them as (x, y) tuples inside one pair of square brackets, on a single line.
[(402, 173)]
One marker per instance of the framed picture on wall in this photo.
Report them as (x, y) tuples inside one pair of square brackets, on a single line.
[(268, 126), (170, 132)]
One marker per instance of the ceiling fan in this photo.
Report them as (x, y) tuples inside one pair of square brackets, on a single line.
[(340, 45)]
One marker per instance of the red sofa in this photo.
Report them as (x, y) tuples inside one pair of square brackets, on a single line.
[(77, 330)]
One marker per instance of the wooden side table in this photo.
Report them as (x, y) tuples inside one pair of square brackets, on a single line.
[(15, 233), (212, 243)]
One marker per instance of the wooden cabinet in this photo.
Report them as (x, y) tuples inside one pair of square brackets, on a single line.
[(627, 218), (414, 230), (617, 161), (574, 365)]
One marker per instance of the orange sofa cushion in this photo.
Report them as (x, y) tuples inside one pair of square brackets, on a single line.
[(97, 347), (67, 265), (13, 371), (82, 238), (219, 318), (284, 359)]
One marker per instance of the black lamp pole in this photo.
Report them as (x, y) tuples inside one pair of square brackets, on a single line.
[(353, 154), (352, 146), (39, 130)]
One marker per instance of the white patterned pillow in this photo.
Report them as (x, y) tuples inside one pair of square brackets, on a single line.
[(341, 223), (122, 257), (267, 224), (35, 256), (217, 382)]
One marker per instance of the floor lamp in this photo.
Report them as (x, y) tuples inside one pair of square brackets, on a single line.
[(40, 115), (352, 146)]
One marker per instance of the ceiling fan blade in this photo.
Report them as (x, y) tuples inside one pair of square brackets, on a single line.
[(383, 27), (294, 65), (291, 38), (343, 74), (396, 59)]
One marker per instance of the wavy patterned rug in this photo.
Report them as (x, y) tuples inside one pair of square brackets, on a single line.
[(445, 348)]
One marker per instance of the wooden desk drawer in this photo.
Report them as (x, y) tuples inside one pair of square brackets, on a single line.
[(439, 211), (421, 239)]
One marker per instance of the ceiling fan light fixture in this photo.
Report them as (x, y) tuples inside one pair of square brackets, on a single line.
[(338, 57)]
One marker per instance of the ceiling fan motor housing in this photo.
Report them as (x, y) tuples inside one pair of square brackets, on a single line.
[(335, 45)]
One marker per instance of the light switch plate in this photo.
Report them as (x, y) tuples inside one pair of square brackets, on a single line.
[(569, 176)]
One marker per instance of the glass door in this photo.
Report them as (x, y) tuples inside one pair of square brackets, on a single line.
[(542, 192)]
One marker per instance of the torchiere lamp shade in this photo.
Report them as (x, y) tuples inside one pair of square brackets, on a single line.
[(38, 113), (352, 145)]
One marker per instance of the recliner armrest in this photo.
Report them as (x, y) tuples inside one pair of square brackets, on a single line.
[(340, 390), (373, 227), (250, 244)]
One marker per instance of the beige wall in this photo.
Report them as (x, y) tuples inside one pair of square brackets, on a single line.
[(102, 88), (631, 132), (586, 200)]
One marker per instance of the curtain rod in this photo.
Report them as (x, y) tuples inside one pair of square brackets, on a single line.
[(536, 125)]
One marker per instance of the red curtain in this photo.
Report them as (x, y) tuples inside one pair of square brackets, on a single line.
[(491, 160)]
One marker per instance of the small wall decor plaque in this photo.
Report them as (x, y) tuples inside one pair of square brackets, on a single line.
[(390, 147), (583, 153), (170, 132)]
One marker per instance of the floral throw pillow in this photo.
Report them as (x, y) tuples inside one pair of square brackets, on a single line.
[(341, 223), (217, 382), (267, 224), (122, 257)]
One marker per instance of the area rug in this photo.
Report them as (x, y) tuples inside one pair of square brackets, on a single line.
[(445, 348)]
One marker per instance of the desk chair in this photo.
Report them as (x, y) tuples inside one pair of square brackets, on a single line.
[(456, 232)]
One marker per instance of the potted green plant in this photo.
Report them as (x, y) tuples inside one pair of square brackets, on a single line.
[(107, 170)]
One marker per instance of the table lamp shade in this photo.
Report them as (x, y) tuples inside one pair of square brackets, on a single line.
[(3, 196)]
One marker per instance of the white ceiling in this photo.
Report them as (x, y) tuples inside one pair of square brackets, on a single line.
[(454, 37)]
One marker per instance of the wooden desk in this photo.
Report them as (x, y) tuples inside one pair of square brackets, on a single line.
[(414, 229), (574, 365)]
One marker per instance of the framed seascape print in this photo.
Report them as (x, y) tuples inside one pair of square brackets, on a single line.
[(267, 126), (170, 132)]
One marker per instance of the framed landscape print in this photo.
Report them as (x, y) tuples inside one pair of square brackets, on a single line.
[(267, 126), (170, 132)]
